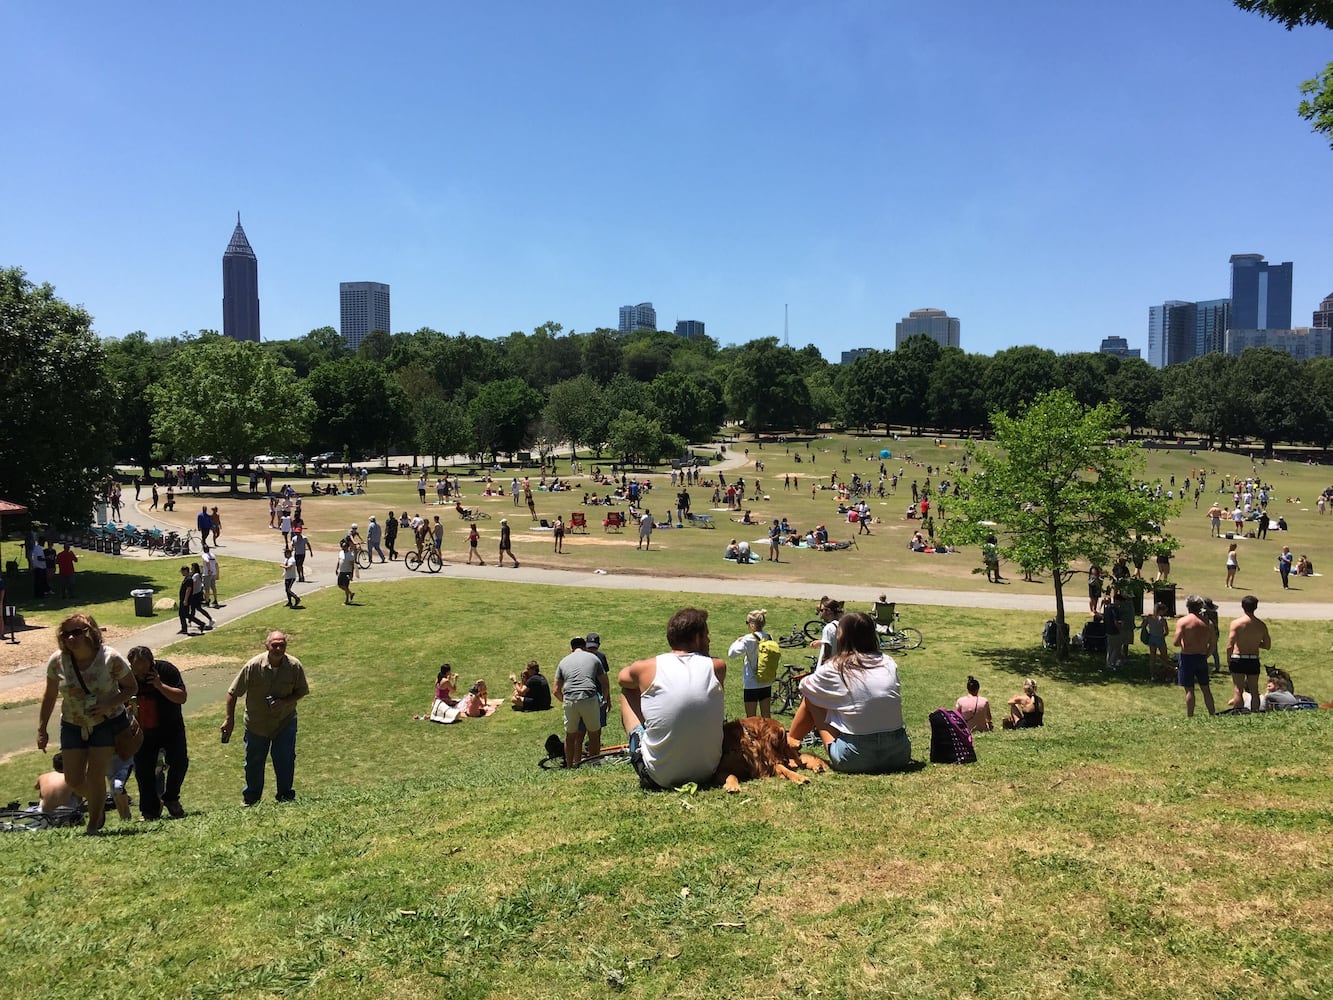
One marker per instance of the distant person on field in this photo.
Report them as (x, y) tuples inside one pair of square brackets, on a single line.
[(1248, 634), (532, 693), (1195, 639), (756, 697), (580, 680), (1026, 710)]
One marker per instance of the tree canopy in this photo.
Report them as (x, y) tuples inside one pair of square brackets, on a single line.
[(60, 403), (1056, 489), (1317, 106)]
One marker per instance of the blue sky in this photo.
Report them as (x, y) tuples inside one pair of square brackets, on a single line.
[(1045, 171)]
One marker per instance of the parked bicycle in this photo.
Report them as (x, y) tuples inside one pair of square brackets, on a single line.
[(787, 687), (892, 636), (795, 639)]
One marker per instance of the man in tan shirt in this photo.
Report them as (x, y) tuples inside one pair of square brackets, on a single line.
[(1247, 636), (1195, 640), (272, 683)]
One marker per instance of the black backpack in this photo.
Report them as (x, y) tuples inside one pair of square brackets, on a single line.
[(950, 738)]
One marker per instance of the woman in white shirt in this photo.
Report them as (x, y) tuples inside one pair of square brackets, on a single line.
[(757, 697), (853, 701)]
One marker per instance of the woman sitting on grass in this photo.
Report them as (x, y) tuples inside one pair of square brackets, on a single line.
[(854, 702), (974, 708), (445, 688), (1027, 710)]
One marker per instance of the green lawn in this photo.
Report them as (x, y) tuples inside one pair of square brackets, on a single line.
[(1120, 851)]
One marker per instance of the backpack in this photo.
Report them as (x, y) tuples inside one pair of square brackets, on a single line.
[(768, 661), (950, 738), (1048, 633)]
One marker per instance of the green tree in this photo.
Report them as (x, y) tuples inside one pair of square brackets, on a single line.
[(230, 399), (1018, 375), (577, 412), (1135, 385), (376, 347), (685, 407), (1266, 381), (602, 355), (638, 438), (307, 353), (766, 387), (59, 403), (361, 407), (1317, 107), (956, 396), (1317, 402), (867, 397), (442, 428), (502, 413), (132, 366), (1057, 490)]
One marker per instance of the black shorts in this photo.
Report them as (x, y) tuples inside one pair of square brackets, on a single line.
[(757, 694), (344, 579), (1247, 665)]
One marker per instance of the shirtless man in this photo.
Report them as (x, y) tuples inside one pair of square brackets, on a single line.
[(55, 792), (1215, 521), (1248, 635), (1195, 639)]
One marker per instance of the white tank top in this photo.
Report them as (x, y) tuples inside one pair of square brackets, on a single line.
[(682, 720)]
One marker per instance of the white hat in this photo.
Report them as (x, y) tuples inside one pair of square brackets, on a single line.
[(372, 518), (354, 526)]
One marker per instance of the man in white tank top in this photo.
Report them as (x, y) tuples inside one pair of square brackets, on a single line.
[(671, 706)]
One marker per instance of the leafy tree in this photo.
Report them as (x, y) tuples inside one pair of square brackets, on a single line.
[(577, 412), (1135, 385), (602, 355), (132, 366), (59, 403), (1316, 401), (1018, 375), (1057, 489), (376, 346), (1317, 108), (867, 397), (502, 413), (230, 399), (1265, 382), (362, 408), (766, 387), (956, 398), (307, 353), (912, 368), (684, 406), (442, 428), (638, 438)]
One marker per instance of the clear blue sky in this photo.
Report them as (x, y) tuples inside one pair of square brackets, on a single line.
[(1043, 170)]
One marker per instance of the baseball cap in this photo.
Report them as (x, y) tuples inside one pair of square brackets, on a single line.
[(593, 639), (504, 520)]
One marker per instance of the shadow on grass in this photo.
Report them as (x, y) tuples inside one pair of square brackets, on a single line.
[(1080, 668)]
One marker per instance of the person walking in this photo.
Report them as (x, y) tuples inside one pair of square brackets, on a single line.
[(211, 572), (272, 683), (774, 541), (645, 530), (300, 546), (1284, 565), (559, 533), (289, 578), (197, 596), (472, 539), (505, 544), (345, 567), (1233, 564), (373, 534), (1195, 639), (160, 697), (391, 535)]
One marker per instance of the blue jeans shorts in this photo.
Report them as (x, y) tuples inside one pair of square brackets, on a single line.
[(101, 735), (871, 753)]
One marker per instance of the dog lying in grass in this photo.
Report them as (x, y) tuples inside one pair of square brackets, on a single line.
[(761, 748)]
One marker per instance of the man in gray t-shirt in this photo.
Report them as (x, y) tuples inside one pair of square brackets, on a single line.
[(579, 679)]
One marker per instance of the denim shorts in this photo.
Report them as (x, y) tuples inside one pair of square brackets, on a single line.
[(646, 781), (871, 753), (101, 735)]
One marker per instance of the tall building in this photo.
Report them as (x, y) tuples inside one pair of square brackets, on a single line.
[(689, 328), (1119, 347), (1323, 316), (1301, 343), (240, 288), (1260, 293), (640, 317), (936, 324), (1179, 331), (856, 352), (364, 308)]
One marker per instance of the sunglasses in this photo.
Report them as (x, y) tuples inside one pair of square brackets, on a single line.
[(74, 633)]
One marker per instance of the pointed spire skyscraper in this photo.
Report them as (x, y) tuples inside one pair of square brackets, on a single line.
[(240, 288)]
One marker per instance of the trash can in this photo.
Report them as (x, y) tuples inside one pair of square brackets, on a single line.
[(143, 603), (1165, 595)]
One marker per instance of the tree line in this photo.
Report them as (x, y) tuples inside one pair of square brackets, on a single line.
[(80, 404)]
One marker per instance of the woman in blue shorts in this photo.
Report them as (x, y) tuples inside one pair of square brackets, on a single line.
[(854, 702)]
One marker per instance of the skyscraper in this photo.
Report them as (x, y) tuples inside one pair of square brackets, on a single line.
[(364, 307), (1119, 347), (640, 317), (240, 288), (1323, 316), (689, 328), (936, 324), (1179, 331), (1260, 293)]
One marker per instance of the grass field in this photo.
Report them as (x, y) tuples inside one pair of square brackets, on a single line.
[(1120, 851), (881, 559)]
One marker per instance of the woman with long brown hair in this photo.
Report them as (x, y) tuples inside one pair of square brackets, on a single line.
[(854, 702), (94, 683)]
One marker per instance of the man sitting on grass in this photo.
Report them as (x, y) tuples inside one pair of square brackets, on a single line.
[(531, 691), (672, 707)]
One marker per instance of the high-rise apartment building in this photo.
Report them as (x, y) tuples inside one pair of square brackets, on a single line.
[(1260, 293), (689, 328), (1119, 347), (1179, 331), (856, 352), (1323, 316), (936, 324), (1301, 343), (640, 317), (240, 288), (364, 307)]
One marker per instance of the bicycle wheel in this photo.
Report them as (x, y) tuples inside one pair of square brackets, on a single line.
[(433, 561), (363, 558), (412, 561), (481, 515), (911, 638), (795, 639), (814, 629)]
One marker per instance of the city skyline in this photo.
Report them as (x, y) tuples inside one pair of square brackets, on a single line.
[(805, 185)]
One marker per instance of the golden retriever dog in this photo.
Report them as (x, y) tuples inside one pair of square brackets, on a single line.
[(761, 748)]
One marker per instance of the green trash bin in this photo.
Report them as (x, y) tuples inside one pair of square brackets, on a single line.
[(143, 603)]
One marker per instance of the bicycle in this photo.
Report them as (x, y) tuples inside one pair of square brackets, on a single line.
[(609, 755), (414, 559), (787, 688), (363, 556), (896, 638), (16, 820), (795, 639), (474, 515)]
